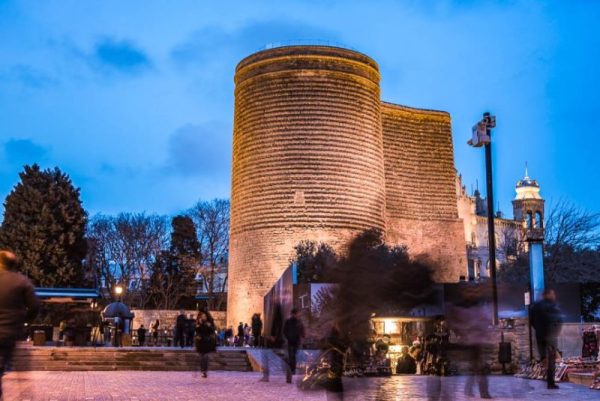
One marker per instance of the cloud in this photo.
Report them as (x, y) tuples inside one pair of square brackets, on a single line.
[(209, 44), (18, 152), (120, 55), (200, 150), (27, 76)]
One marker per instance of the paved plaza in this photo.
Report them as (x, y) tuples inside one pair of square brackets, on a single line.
[(225, 386)]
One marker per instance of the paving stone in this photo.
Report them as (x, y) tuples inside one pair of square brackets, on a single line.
[(237, 386)]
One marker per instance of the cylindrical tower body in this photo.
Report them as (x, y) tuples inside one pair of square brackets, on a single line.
[(307, 161)]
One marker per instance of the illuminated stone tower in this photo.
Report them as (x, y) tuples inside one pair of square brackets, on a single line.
[(307, 161), (528, 207), (317, 156)]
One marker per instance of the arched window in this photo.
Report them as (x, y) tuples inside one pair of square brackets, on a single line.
[(539, 222), (529, 220)]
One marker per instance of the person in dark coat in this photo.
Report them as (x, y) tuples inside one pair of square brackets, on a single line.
[(406, 363), (154, 328), (18, 304), (240, 334), (257, 326), (190, 329), (293, 331), (180, 330), (206, 341), (141, 332), (546, 320)]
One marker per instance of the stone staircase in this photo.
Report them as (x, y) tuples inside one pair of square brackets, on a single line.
[(29, 358)]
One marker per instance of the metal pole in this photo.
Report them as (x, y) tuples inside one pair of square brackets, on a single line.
[(491, 229)]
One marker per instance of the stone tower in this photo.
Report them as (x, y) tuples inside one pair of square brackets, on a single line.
[(307, 161), (317, 156), (528, 205)]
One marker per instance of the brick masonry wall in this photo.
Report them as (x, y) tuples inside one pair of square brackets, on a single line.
[(421, 206), (167, 318)]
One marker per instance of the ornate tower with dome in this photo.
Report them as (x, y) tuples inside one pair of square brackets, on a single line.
[(528, 206)]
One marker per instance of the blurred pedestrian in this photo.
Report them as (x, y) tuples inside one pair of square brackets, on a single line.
[(335, 347), (190, 329), (180, 330), (206, 341), (154, 328), (469, 320), (257, 326), (546, 320), (18, 304), (240, 335), (229, 336), (293, 331), (141, 332), (274, 341)]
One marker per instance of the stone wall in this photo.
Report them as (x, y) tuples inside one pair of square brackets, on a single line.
[(421, 206), (167, 318)]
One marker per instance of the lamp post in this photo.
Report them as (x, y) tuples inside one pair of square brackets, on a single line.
[(482, 136), (119, 291)]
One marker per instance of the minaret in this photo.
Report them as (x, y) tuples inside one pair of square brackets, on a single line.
[(528, 207)]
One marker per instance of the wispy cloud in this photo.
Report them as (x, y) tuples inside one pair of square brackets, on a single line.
[(18, 152), (120, 55), (200, 150), (28, 76)]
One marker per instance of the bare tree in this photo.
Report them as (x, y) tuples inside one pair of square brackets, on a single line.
[(125, 249), (571, 249), (571, 226), (212, 222), (510, 242)]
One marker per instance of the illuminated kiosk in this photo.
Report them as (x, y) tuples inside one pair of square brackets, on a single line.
[(395, 329)]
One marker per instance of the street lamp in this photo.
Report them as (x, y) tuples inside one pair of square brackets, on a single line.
[(119, 291), (482, 136)]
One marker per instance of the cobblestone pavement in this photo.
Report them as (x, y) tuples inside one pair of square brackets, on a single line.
[(222, 386)]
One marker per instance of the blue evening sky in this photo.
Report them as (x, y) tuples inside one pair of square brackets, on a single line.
[(134, 99)]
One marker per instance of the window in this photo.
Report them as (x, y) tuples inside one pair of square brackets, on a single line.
[(539, 222), (529, 220)]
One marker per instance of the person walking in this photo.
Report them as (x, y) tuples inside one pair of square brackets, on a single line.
[(18, 304), (293, 331), (180, 330), (546, 320), (205, 340), (257, 326)]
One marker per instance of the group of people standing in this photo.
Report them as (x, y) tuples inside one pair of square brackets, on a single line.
[(245, 336)]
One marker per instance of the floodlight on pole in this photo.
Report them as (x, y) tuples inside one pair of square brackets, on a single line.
[(482, 136)]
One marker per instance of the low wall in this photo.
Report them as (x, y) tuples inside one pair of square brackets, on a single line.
[(167, 318), (569, 343)]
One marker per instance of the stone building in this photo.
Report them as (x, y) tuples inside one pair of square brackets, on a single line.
[(318, 156), (528, 212)]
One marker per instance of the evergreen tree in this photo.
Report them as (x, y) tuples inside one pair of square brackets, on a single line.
[(173, 277), (44, 224)]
